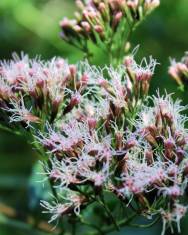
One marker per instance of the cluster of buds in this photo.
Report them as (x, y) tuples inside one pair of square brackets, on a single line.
[(106, 23), (33, 91), (99, 134), (146, 167), (36, 92), (179, 71), (155, 167)]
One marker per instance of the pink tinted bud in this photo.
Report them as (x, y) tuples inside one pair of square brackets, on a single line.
[(86, 26), (80, 4), (40, 83), (103, 83), (117, 17), (149, 156), (85, 14), (73, 70), (75, 100), (77, 28), (128, 61), (92, 122), (65, 23), (98, 29), (92, 15), (169, 144), (102, 7), (84, 79), (182, 67), (169, 147), (173, 71)]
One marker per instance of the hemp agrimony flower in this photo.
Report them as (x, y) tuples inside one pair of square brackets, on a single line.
[(104, 142), (179, 71), (108, 24)]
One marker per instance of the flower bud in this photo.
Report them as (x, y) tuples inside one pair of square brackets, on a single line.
[(119, 140), (92, 123), (86, 26), (117, 18), (149, 156), (99, 29), (84, 79), (73, 70), (80, 4)]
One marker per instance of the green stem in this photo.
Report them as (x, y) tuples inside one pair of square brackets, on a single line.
[(103, 204), (120, 224), (146, 225), (91, 225), (7, 129)]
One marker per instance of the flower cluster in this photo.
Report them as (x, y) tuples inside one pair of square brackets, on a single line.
[(105, 23), (155, 168), (146, 167), (33, 91), (179, 71), (100, 134)]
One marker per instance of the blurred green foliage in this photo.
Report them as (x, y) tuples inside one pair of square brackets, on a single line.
[(32, 26)]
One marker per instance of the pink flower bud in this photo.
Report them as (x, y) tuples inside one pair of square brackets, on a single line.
[(84, 79), (92, 122), (98, 29), (102, 7), (86, 26), (117, 18), (73, 70)]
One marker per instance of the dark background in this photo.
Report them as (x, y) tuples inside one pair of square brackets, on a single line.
[(32, 26)]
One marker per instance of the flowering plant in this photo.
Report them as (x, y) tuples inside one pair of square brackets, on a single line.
[(103, 141)]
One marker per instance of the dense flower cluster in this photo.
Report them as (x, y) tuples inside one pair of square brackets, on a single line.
[(35, 91), (105, 23), (179, 71), (148, 166), (100, 134), (97, 130)]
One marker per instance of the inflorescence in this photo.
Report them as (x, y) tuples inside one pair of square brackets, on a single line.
[(179, 71), (97, 130), (100, 134), (108, 24)]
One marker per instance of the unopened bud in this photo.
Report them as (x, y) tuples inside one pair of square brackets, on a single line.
[(80, 4), (99, 29), (92, 122), (117, 18), (86, 26), (149, 157), (119, 140), (84, 79), (73, 70)]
